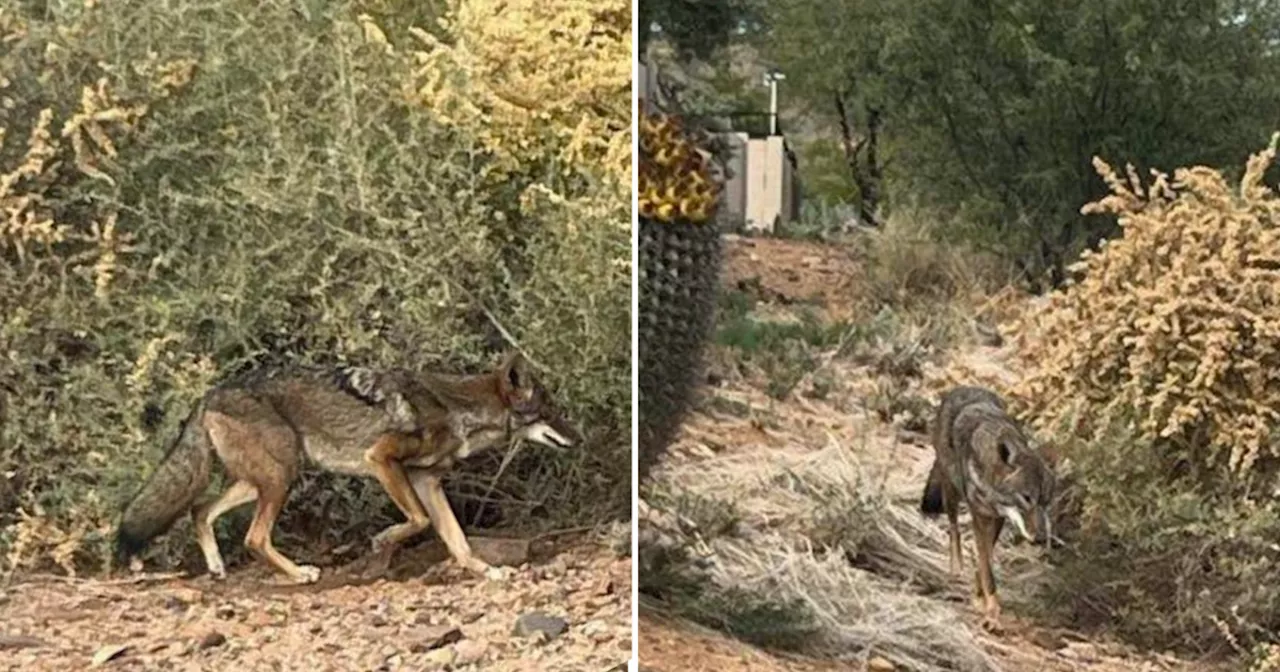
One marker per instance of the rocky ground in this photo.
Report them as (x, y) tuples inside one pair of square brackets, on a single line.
[(568, 608), (773, 438)]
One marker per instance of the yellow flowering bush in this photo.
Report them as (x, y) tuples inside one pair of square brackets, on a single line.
[(1156, 369), (534, 79), (1172, 325)]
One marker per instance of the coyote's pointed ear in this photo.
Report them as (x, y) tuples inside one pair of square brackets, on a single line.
[(513, 375)]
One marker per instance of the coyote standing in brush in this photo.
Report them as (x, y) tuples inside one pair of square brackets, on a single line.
[(984, 459), (405, 429)]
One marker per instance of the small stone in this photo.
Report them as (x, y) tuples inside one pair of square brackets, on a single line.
[(378, 620), (1083, 652), (440, 657), (426, 618), (212, 639), (538, 622), (1047, 639), (108, 653), (470, 651), (597, 631), (878, 664), (315, 628), (500, 552), (432, 637), (20, 642), (225, 612)]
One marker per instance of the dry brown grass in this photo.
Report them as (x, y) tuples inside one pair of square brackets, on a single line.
[(835, 546)]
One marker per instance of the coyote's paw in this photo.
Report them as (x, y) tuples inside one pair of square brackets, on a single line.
[(992, 624), (991, 617), (379, 544), (218, 573), (482, 568), (307, 574)]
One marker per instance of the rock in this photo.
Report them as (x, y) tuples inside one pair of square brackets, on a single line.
[(1047, 639), (470, 651), (1081, 652), (211, 639), (225, 612), (597, 631), (20, 642), (499, 551), (378, 620), (426, 618), (538, 622), (432, 637), (108, 653), (440, 658), (878, 664)]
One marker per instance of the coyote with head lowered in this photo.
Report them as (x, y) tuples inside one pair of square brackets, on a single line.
[(984, 459), (403, 428)]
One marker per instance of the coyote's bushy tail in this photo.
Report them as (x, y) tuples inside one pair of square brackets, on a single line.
[(178, 480), (931, 499)]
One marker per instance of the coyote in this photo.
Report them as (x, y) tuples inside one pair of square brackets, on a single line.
[(984, 459), (405, 429)]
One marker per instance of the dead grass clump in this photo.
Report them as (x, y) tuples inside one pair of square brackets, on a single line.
[(909, 263), (818, 547)]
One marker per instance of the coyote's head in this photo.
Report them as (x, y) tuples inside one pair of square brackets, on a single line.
[(1017, 483), (534, 415)]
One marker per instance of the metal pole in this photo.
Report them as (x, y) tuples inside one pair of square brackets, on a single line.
[(773, 106)]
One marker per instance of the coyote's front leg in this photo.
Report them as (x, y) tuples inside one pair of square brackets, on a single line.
[(431, 490), (384, 462)]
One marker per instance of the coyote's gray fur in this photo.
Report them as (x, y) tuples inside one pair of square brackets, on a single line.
[(984, 459)]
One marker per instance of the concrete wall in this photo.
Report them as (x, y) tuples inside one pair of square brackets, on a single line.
[(772, 195)]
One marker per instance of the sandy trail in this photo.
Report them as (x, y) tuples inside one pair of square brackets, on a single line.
[(427, 615)]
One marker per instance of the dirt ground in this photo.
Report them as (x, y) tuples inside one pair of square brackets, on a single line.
[(428, 615), (794, 272)]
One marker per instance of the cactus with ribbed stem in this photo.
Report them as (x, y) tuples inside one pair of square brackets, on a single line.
[(679, 263)]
